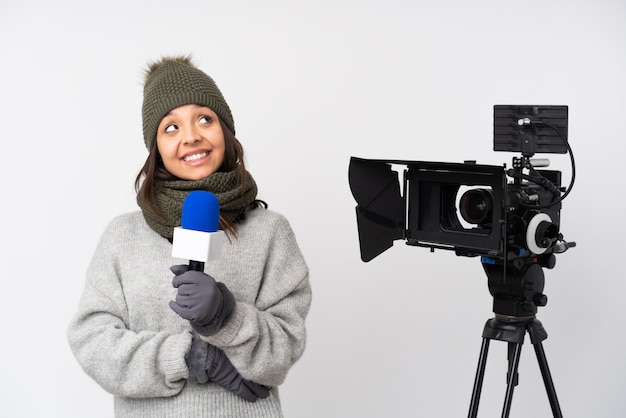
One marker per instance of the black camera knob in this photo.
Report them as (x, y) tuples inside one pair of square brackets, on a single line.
[(540, 299)]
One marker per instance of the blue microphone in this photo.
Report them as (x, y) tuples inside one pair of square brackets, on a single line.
[(201, 211), (198, 238)]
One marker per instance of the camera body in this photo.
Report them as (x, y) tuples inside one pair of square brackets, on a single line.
[(469, 208), (473, 210)]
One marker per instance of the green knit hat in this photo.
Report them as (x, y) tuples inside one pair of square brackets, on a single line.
[(172, 82)]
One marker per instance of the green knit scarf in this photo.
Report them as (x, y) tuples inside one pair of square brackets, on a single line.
[(170, 195)]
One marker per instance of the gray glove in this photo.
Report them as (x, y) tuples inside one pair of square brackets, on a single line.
[(201, 300), (208, 363)]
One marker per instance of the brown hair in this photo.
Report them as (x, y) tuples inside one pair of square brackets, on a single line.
[(154, 169)]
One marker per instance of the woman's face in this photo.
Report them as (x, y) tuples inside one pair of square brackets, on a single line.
[(191, 142)]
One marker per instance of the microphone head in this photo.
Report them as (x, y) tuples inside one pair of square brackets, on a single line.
[(201, 211)]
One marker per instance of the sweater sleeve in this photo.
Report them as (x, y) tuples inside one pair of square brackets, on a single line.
[(264, 339), (124, 362)]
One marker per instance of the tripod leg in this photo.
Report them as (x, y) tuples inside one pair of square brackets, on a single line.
[(478, 381), (510, 354), (511, 379), (547, 380)]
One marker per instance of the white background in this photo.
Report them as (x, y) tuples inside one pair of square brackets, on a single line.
[(310, 85)]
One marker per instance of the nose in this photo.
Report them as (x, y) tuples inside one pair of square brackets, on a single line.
[(191, 136)]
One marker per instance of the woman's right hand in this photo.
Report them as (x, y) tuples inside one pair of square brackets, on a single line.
[(199, 298)]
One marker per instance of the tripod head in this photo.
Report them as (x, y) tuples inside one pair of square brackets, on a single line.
[(516, 292)]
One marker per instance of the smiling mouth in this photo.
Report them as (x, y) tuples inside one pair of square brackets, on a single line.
[(195, 157)]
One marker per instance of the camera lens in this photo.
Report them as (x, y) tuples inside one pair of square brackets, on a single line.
[(475, 206)]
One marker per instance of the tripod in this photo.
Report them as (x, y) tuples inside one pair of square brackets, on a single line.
[(515, 315)]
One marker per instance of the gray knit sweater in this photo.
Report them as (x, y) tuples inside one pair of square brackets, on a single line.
[(128, 340)]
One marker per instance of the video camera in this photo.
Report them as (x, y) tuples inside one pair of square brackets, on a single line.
[(470, 208)]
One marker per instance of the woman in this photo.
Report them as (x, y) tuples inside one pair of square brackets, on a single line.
[(203, 344)]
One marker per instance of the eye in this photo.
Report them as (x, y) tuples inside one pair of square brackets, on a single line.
[(206, 119), (171, 127)]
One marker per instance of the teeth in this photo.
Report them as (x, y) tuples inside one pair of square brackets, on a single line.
[(195, 157)]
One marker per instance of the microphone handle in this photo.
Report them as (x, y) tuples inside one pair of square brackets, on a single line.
[(196, 265)]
